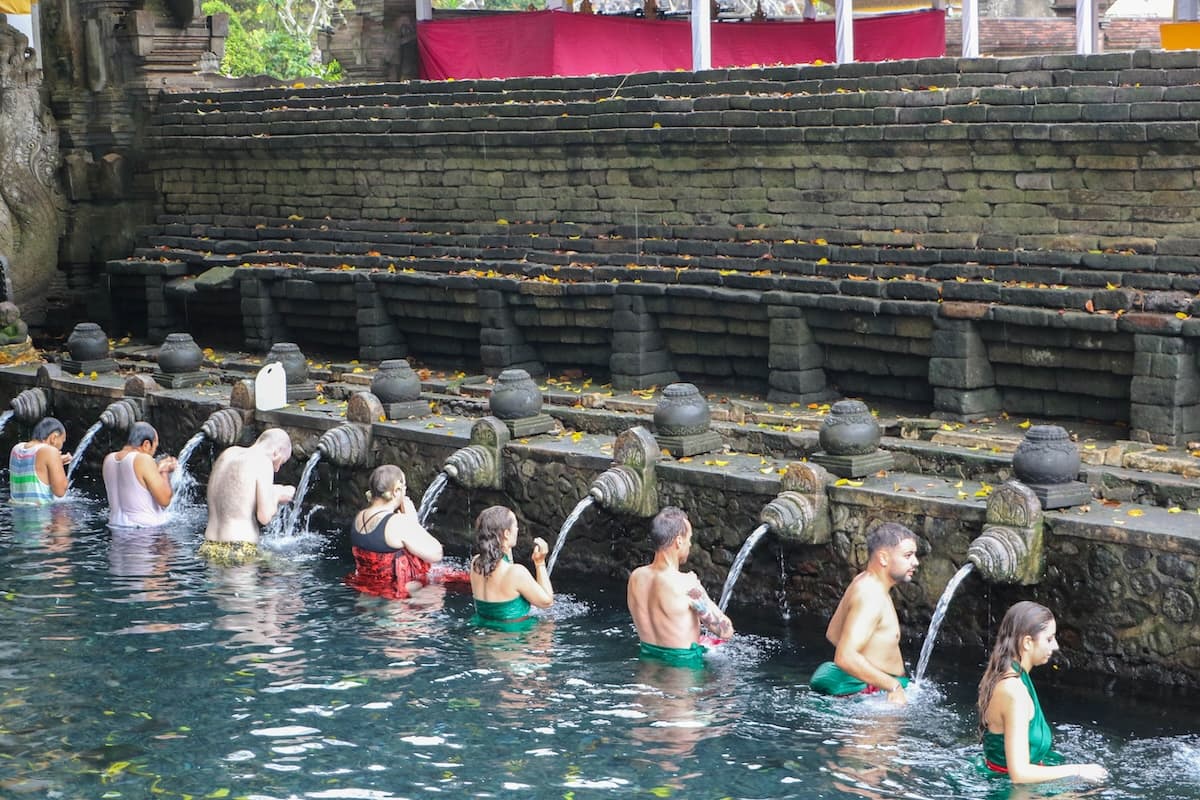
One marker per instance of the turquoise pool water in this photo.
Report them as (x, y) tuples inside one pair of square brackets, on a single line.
[(130, 669)]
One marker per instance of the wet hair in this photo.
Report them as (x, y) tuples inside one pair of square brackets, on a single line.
[(887, 536), (383, 482), (1026, 618), (46, 428), (668, 523), (276, 439), (490, 525), (140, 433)]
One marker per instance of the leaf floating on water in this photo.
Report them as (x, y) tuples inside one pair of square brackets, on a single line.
[(218, 793), (661, 791)]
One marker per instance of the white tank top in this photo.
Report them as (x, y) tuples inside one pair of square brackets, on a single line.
[(130, 505)]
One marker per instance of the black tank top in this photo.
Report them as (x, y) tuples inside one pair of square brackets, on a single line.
[(376, 539)]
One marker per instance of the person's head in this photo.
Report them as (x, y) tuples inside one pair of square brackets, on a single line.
[(386, 483), (495, 532), (892, 548), (671, 528), (1027, 635), (277, 445), (142, 436), (50, 431)]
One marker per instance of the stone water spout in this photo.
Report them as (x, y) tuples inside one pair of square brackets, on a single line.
[(224, 426), (477, 466), (630, 486), (349, 444), (121, 414), (1010, 549), (801, 511), (31, 405)]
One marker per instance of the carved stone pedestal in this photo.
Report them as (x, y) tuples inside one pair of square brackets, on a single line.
[(530, 426), (1062, 495), (855, 466), (180, 380), (691, 444), (101, 365)]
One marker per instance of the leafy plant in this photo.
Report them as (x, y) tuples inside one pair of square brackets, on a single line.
[(277, 37)]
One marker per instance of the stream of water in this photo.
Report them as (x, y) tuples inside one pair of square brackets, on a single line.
[(429, 499), (939, 614), (580, 507), (82, 448), (739, 562)]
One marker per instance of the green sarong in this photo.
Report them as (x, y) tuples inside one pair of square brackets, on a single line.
[(1041, 738), (831, 679), (506, 615), (690, 657)]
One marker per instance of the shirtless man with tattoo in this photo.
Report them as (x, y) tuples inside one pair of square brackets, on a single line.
[(669, 606)]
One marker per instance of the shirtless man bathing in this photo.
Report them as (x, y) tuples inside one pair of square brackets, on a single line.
[(668, 605), (864, 628), (243, 495)]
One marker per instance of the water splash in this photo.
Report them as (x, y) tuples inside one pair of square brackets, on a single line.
[(572, 518), (4, 418), (284, 523), (183, 483), (84, 443), (739, 562), (939, 613), (428, 500)]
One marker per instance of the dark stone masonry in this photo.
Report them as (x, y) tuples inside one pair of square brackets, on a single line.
[(971, 235)]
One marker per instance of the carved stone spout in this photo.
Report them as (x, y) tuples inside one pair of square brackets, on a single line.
[(1010, 549), (121, 414), (31, 405), (224, 427), (801, 511), (630, 486), (478, 465), (347, 445)]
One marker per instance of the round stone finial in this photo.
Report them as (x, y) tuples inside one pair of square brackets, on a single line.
[(179, 354), (295, 366), (87, 342), (1046, 456), (395, 382), (516, 396), (681, 411), (849, 429)]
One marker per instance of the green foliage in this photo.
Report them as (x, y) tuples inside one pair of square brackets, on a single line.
[(260, 44)]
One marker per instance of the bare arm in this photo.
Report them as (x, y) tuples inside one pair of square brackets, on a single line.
[(536, 590), (268, 495), (1016, 709), (711, 617), (53, 463), (153, 479), (404, 530), (858, 626)]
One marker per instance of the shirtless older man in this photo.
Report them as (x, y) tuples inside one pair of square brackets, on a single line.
[(864, 628), (242, 496), (669, 606)]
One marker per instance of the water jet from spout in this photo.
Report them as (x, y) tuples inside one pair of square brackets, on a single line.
[(580, 507), (939, 614), (285, 521), (84, 443), (429, 499), (739, 563), (182, 482)]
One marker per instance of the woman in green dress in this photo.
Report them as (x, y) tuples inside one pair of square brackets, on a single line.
[(1017, 740), (504, 591)]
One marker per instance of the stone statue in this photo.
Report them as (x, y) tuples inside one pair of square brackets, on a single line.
[(31, 203), (15, 345), (13, 329)]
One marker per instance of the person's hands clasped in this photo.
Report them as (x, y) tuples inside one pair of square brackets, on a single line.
[(286, 493), (66, 458)]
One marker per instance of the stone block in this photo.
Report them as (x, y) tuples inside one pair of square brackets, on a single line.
[(643, 363), (952, 344), (1164, 391), (795, 358), (961, 373), (798, 382), (972, 402)]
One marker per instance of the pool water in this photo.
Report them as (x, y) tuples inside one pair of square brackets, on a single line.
[(131, 669)]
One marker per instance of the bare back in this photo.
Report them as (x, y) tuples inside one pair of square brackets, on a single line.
[(660, 607), (865, 622), (241, 484)]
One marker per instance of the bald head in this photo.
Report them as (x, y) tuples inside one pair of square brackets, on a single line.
[(277, 444)]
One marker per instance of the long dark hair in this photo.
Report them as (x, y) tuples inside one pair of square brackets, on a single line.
[(490, 525), (1026, 618)]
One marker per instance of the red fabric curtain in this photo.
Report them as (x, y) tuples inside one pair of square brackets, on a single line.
[(559, 43)]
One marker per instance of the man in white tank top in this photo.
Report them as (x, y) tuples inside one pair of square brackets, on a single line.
[(138, 487)]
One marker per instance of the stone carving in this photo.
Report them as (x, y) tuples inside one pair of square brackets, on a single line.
[(631, 486), (681, 411), (478, 465), (31, 203), (347, 445), (1010, 550), (849, 429), (15, 345)]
